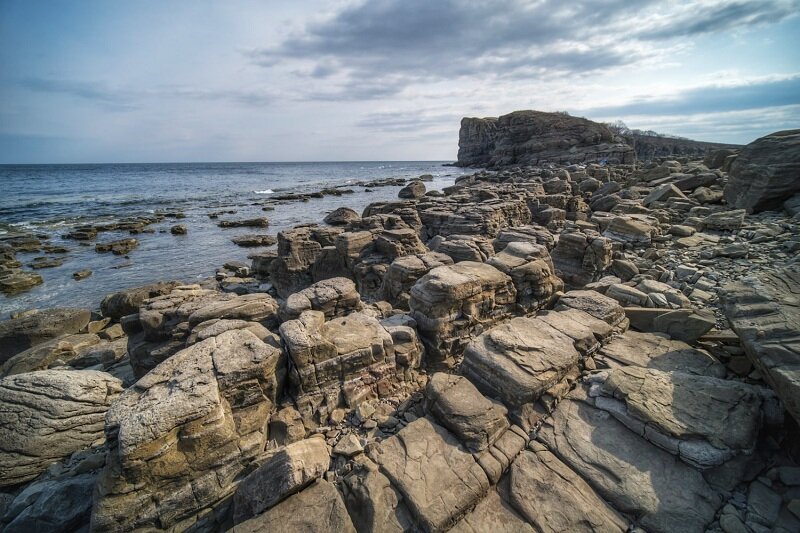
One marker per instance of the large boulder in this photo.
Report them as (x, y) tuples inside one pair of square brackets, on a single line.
[(404, 272), (47, 415), (180, 437), (128, 301), (453, 303), (415, 189), (581, 257), (531, 269), (333, 296), (37, 326), (766, 172), (764, 311), (463, 247)]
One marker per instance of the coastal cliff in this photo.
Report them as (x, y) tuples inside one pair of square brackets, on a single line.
[(534, 137)]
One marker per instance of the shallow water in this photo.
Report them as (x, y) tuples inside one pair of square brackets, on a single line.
[(51, 199)]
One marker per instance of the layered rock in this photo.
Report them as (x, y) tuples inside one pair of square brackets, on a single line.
[(334, 297), (184, 432), (37, 326), (47, 415), (532, 137), (531, 269), (404, 272), (765, 173), (453, 303), (580, 257)]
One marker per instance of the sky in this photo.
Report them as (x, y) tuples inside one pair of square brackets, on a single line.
[(237, 80)]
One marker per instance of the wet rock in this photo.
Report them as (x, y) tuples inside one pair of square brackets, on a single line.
[(47, 415), (252, 241), (260, 222), (15, 281), (179, 229), (341, 216), (118, 247), (415, 189), (81, 274)]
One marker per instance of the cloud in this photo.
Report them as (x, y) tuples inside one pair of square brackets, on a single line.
[(119, 99), (756, 94), (376, 49)]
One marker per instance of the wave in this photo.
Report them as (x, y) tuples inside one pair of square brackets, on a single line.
[(266, 191)]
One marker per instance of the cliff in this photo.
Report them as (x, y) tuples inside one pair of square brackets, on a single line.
[(533, 137), (649, 147)]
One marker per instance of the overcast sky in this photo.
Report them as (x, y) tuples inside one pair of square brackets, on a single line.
[(141, 81)]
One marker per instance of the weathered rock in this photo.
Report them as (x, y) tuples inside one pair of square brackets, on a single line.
[(334, 297), (453, 303), (596, 305), (463, 247), (374, 505), (37, 326), (118, 247), (519, 360), (765, 172), (52, 505), (415, 189), (127, 302), (179, 229), (184, 432), (554, 498), (439, 481), (494, 514), (631, 474), (341, 216), (317, 508), (636, 230), (705, 421), (724, 220), (458, 406), (254, 240), (260, 222), (531, 269), (298, 249), (581, 257), (686, 325), (290, 470), (59, 351), (404, 272), (14, 281), (764, 311), (653, 350), (47, 415), (530, 233)]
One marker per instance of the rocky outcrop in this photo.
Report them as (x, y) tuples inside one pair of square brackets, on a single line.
[(182, 434), (37, 326), (404, 272), (648, 147), (765, 173), (47, 415), (534, 137), (334, 297)]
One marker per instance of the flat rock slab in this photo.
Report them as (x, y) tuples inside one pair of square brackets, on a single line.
[(765, 314), (705, 420), (658, 351), (518, 361), (595, 304), (554, 498), (47, 415), (663, 493), (438, 479), (495, 515), (460, 407), (317, 508)]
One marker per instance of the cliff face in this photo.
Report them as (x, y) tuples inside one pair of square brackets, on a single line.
[(533, 137), (650, 147)]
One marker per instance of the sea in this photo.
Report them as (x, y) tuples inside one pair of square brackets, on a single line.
[(50, 200)]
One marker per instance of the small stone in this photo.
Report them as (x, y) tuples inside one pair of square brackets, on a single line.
[(81, 274), (369, 424), (179, 229), (349, 446)]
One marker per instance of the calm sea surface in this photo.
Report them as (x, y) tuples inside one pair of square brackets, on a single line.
[(51, 199)]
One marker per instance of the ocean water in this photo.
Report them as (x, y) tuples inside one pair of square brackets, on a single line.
[(52, 199)]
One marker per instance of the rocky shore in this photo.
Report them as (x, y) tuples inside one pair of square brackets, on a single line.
[(588, 344)]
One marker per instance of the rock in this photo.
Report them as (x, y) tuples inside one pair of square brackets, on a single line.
[(531, 269), (348, 446), (260, 222), (624, 269), (179, 229), (81, 274), (373, 503), (765, 173), (529, 233), (341, 217), (493, 513), (59, 351), (664, 192), (15, 281), (636, 230), (254, 240), (439, 481), (463, 247), (118, 247), (458, 406), (725, 220), (631, 474), (37, 326), (47, 415), (127, 302), (625, 295), (415, 189), (764, 312), (57, 505), (317, 508), (581, 257), (703, 420), (180, 437), (554, 498), (519, 360), (530, 137), (335, 297), (595, 304), (763, 504), (658, 351), (288, 471), (454, 302), (404, 272), (298, 249)]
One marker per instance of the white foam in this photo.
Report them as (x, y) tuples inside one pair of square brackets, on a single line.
[(266, 191)]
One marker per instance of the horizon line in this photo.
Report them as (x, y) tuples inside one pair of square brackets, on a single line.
[(236, 162)]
